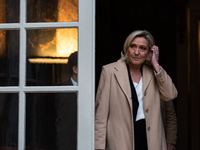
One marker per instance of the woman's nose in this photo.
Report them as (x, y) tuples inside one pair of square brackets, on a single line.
[(137, 51)]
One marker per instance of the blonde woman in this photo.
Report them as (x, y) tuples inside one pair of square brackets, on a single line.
[(127, 111)]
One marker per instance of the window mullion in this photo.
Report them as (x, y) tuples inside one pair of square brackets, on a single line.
[(22, 70), (21, 128)]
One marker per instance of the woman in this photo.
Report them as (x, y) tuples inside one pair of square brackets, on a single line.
[(127, 115)]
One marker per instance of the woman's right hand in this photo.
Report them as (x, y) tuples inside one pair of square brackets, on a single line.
[(155, 58)]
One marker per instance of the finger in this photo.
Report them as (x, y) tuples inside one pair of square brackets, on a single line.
[(154, 48)]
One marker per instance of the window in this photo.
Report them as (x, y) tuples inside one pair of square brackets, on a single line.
[(44, 45)]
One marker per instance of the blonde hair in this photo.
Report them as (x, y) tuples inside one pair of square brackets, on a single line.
[(138, 33)]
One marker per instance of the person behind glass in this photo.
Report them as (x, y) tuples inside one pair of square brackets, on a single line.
[(73, 68), (66, 111), (127, 107), (170, 123)]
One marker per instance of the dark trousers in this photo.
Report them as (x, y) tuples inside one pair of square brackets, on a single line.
[(140, 135)]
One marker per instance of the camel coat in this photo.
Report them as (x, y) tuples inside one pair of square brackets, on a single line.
[(114, 127), (169, 121)]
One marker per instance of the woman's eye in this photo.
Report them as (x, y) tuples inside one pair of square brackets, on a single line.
[(132, 46), (143, 48)]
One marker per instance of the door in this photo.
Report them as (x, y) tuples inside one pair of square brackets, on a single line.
[(47, 74)]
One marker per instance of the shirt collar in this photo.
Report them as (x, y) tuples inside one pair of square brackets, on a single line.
[(74, 82)]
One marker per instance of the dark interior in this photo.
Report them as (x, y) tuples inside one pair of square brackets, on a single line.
[(175, 27)]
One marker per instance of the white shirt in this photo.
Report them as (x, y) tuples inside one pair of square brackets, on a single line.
[(139, 91), (74, 82)]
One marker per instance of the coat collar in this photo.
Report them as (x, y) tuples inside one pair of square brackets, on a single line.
[(147, 76), (121, 75)]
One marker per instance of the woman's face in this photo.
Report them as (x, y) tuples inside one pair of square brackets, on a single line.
[(138, 51)]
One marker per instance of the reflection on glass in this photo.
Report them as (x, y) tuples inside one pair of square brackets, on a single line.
[(48, 51), (51, 121), (9, 11), (9, 58), (52, 11), (9, 120)]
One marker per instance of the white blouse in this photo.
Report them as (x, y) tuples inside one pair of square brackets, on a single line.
[(139, 91)]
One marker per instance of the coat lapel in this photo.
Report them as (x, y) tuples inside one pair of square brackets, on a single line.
[(147, 76), (121, 75)]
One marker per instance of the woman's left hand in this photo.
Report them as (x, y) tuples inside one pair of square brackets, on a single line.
[(155, 58)]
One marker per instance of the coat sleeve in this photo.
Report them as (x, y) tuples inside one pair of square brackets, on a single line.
[(166, 87), (102, 109), (170, 121)]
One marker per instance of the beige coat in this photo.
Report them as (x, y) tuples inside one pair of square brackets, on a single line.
[(169, 121), (114, 128)]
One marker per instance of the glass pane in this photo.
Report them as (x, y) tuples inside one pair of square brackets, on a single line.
[(9, 11), (52, 10), (51, 121), (9, 120), (9, 57), (49, 56)]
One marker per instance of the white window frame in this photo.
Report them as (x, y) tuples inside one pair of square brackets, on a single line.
[(86, 72)]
